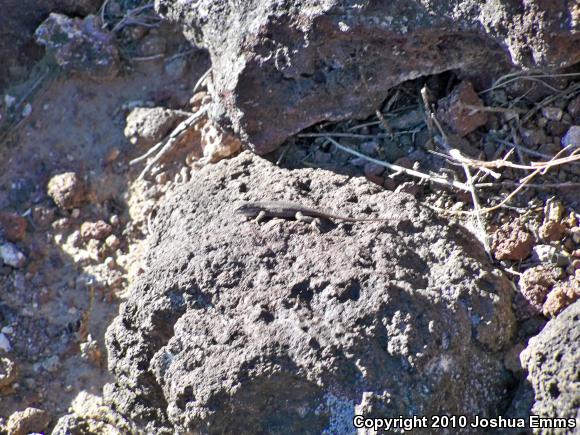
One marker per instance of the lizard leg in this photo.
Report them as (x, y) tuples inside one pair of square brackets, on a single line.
[(299, 216), (260, 217), (314, 222)]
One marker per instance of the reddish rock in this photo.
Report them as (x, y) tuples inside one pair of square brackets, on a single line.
[(536, 283), (552, 231), (455, 112), (512, 242), (67, 190), (98, 230), (561, 296), (12, 226), (374, 173)]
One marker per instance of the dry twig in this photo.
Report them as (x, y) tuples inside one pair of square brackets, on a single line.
[(171, 140), (401, 169)]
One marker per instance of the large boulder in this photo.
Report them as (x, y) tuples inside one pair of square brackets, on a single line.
[(280, 66), (552, 360), (280, 327)]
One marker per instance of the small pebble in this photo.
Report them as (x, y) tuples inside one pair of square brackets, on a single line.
[(572, 137), (8, 371), (369, 147), (550, 254), (98, 230), (11, 256), (575, 234), (552, 113), (112, 242), (27, 110), (542, 122), (161, 178), (4, 343), (114, 220), (112, 155), (67, 190), (184, 174), (110, 262)]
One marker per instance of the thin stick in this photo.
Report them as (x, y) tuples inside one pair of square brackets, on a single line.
[(479, 224), (522, 184), (175, 134), (201, 80), (492, 109), (564, 185), (517, 76), (397, 168), (149, 152), (384, 123), (521, 148), (428, 111)]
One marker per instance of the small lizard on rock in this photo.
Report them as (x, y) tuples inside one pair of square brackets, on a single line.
[(288, 210)]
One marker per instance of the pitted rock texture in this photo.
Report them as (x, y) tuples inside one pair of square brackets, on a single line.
[(281, 66), (281, 328), (80, 46), (552, 360), (18, 20)]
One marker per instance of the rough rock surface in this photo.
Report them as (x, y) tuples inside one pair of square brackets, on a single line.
[(512, 241), (18, 20), (67, 190), (552, 360), (147, 126), (80, 46), (281, 328), (280, 66), (31, 420), (455, 110)]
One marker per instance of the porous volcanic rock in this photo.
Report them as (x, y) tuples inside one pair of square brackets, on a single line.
[(279, 66), (552, 360), (280, 327), (18, 20)]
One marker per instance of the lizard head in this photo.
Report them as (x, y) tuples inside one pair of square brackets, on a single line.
[(249, 209)]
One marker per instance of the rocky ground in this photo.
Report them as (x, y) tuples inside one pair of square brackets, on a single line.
[(110, 193)]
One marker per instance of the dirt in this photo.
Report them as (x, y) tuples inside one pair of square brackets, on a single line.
[(55, 309), (80, 258)]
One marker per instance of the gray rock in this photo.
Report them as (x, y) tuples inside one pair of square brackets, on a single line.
[(281, 66), (572, 137), (147, 126), (18, 20), (552, 360), (11, 255), (80, 46), (31, 420), (280, 328), (67, 190)]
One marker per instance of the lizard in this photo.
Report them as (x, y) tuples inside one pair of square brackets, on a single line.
[(289, 210)]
